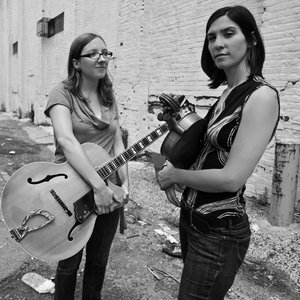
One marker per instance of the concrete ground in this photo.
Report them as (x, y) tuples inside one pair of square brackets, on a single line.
[(148, 215), (12, 256)]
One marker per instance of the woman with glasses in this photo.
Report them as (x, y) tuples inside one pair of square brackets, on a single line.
[(214, 227), (83, 109)]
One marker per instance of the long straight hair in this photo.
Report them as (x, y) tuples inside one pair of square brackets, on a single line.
[(256, 51)]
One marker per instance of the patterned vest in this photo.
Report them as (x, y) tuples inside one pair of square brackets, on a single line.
[(223, 123)]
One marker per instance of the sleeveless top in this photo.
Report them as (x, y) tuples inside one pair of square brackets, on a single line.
[(223, 123)]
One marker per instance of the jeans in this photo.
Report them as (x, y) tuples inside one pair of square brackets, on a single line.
[(211, 260), (97, 252)]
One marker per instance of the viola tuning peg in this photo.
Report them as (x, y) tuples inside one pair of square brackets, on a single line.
[(166, 117), (162, 96), (179, 98), (160, 117)]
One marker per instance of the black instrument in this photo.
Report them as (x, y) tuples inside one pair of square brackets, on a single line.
[(187, 130)]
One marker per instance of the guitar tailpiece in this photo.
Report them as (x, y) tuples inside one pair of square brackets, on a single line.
[(19, 233)]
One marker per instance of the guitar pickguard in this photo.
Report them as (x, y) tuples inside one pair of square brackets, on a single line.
[(83, 208)]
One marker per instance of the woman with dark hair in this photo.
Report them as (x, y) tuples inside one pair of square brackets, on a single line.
[(83, 109), (214, 226), (255, 52)]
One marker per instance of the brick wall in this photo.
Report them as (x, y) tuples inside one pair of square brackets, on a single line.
[(157, 48)]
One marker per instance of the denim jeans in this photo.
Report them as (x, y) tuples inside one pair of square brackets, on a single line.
[(211, 260), (97, 252)]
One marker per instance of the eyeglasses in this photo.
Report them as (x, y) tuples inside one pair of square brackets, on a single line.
[(96, 55)]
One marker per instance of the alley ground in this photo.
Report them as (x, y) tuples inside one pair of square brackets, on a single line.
[(271, 269)]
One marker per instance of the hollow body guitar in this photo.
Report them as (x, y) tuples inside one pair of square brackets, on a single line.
[(49, 209)]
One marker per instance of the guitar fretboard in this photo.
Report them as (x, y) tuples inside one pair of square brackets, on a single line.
[(111, 166)]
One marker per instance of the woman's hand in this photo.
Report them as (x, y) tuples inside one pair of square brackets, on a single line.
[(165, 176), (167, 184), (126, 192), (171, 195), (104, 200), (107, 201)]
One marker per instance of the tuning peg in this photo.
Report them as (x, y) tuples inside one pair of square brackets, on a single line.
[(160, 117), (166, 117), (179, 97)]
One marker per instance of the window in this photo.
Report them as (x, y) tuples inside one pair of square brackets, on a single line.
[(15, 48), (56, 25)]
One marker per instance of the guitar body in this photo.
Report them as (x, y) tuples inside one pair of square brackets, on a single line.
[(43, 194)]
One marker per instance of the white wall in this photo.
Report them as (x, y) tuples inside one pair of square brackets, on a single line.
[(157, 47)]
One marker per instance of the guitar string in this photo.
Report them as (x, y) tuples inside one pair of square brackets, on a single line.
[(108, 168)]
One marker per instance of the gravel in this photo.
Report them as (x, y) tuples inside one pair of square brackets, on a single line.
[(277, 247)]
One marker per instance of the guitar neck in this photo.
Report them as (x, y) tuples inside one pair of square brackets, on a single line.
[(114, 164)]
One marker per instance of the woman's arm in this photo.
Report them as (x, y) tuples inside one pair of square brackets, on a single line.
[(259, 117), (75, 155), (118, 148)]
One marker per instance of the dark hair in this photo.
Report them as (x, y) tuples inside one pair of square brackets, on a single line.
[(72, 83), (256, 53)]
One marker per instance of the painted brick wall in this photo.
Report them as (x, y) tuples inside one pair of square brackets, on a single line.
[(157, 48), (4, 54)]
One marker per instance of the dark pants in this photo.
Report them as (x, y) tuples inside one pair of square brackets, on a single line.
[(97, 252), (211, 260)]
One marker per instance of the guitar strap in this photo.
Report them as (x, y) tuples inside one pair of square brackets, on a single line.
[(123, 226)]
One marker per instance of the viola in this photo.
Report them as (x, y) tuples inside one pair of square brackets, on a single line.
[(186, 131), (186, 134)]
